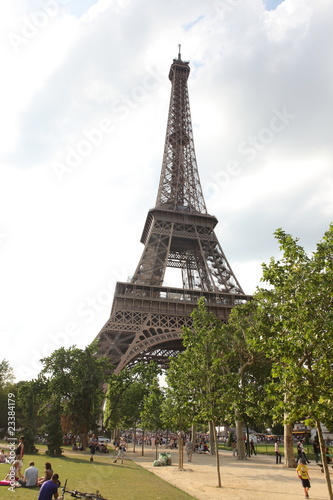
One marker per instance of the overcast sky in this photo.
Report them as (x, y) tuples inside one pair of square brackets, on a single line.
[(84, 102)]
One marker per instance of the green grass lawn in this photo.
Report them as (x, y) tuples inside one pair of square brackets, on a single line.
[(114, 481)]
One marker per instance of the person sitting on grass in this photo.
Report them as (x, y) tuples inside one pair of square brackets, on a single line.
[(48, 473), (49, 489), (14, 472), (30, 476)]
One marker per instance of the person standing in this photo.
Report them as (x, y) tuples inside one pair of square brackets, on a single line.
[(316, 450), (189, 447), (93, 445), (303, 473), (277, 452), (19, 452), (49, 489), (252, 448), (303, 452), (299, 452)]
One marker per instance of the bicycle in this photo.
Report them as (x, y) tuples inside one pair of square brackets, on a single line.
[(79, 494)]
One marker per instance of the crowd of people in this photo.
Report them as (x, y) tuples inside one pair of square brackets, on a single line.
[(48, 483)]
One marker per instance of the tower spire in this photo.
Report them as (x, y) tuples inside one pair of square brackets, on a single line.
[(180, 187)]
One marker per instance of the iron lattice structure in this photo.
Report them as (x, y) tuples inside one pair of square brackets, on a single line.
[(147, 318)]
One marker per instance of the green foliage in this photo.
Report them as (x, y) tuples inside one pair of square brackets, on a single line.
[(6, 374), (194, 377), (126, 393), (6, 387), (151, 414), (175, 414), (220, 371), (52, 427), (295, 329), (28, 403), (75, 378)]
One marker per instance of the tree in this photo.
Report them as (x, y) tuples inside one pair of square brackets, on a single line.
[(195, 375), (6, 373), (296, 330), (28, 405), (52, 413), (175, 414), (6, 387), (152, 409), (76, 378), (248, 371), (219, 378), (125, 395)]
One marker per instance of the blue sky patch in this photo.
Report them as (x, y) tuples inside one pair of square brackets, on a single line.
[(79, 8), (190, 25), (272, 4)]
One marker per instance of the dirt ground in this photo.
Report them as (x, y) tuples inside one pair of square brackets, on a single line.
[(256, 478)]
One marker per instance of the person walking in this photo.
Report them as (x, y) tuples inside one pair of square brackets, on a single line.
[(301, 452), (121, 452), (303, 473), (277, 452)]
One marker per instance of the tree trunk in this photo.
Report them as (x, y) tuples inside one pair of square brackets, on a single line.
[(143, 443), (134, 440), (180, 453), (241, 455), (289, 458), (324, 460), (248, 451), (217, 455), (211, 438), (194, 434)]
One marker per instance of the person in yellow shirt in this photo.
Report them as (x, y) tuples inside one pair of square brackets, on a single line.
[(303, 474)]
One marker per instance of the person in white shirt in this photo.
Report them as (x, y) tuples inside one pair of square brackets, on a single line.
[(277, 452)]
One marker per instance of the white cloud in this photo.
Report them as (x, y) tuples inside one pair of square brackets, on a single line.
[(64, 242)]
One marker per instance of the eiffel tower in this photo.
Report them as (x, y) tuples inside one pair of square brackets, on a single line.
[(147, 316)]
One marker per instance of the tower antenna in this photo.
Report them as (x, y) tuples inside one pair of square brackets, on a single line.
[(179, 55)]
